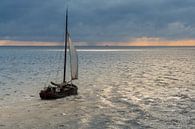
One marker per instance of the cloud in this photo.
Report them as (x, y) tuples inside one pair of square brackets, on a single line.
[(97, 21)]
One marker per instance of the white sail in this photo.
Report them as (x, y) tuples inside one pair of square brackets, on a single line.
[(73, 59)]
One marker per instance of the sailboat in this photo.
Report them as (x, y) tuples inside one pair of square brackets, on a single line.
[(66, 88)]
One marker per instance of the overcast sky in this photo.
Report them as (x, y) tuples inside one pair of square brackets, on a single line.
[(97, 20)]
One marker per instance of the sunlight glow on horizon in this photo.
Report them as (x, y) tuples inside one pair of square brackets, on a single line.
[(27, 43), (150, 41), (143, 41)]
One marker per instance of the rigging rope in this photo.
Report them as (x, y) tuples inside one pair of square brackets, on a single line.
[(59, 64), (51, 66), (58, 59)]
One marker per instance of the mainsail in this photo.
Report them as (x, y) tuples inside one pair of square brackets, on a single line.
[(73, 59)]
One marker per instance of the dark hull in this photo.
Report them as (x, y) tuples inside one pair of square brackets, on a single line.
[(68, 90)]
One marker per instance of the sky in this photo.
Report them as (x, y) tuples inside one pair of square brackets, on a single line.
[(99, 22)]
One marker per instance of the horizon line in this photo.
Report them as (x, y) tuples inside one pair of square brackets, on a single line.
[(138, 42)]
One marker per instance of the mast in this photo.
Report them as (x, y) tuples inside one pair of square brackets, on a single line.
[(65, 45)]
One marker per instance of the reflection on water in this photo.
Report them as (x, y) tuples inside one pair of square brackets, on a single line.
[(118, 88)]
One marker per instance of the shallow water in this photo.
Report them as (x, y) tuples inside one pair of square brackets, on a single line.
[(141, 87)]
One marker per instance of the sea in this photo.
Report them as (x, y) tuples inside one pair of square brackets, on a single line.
[(119, 88)]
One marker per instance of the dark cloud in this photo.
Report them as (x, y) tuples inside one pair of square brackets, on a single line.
[(96, 21)]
